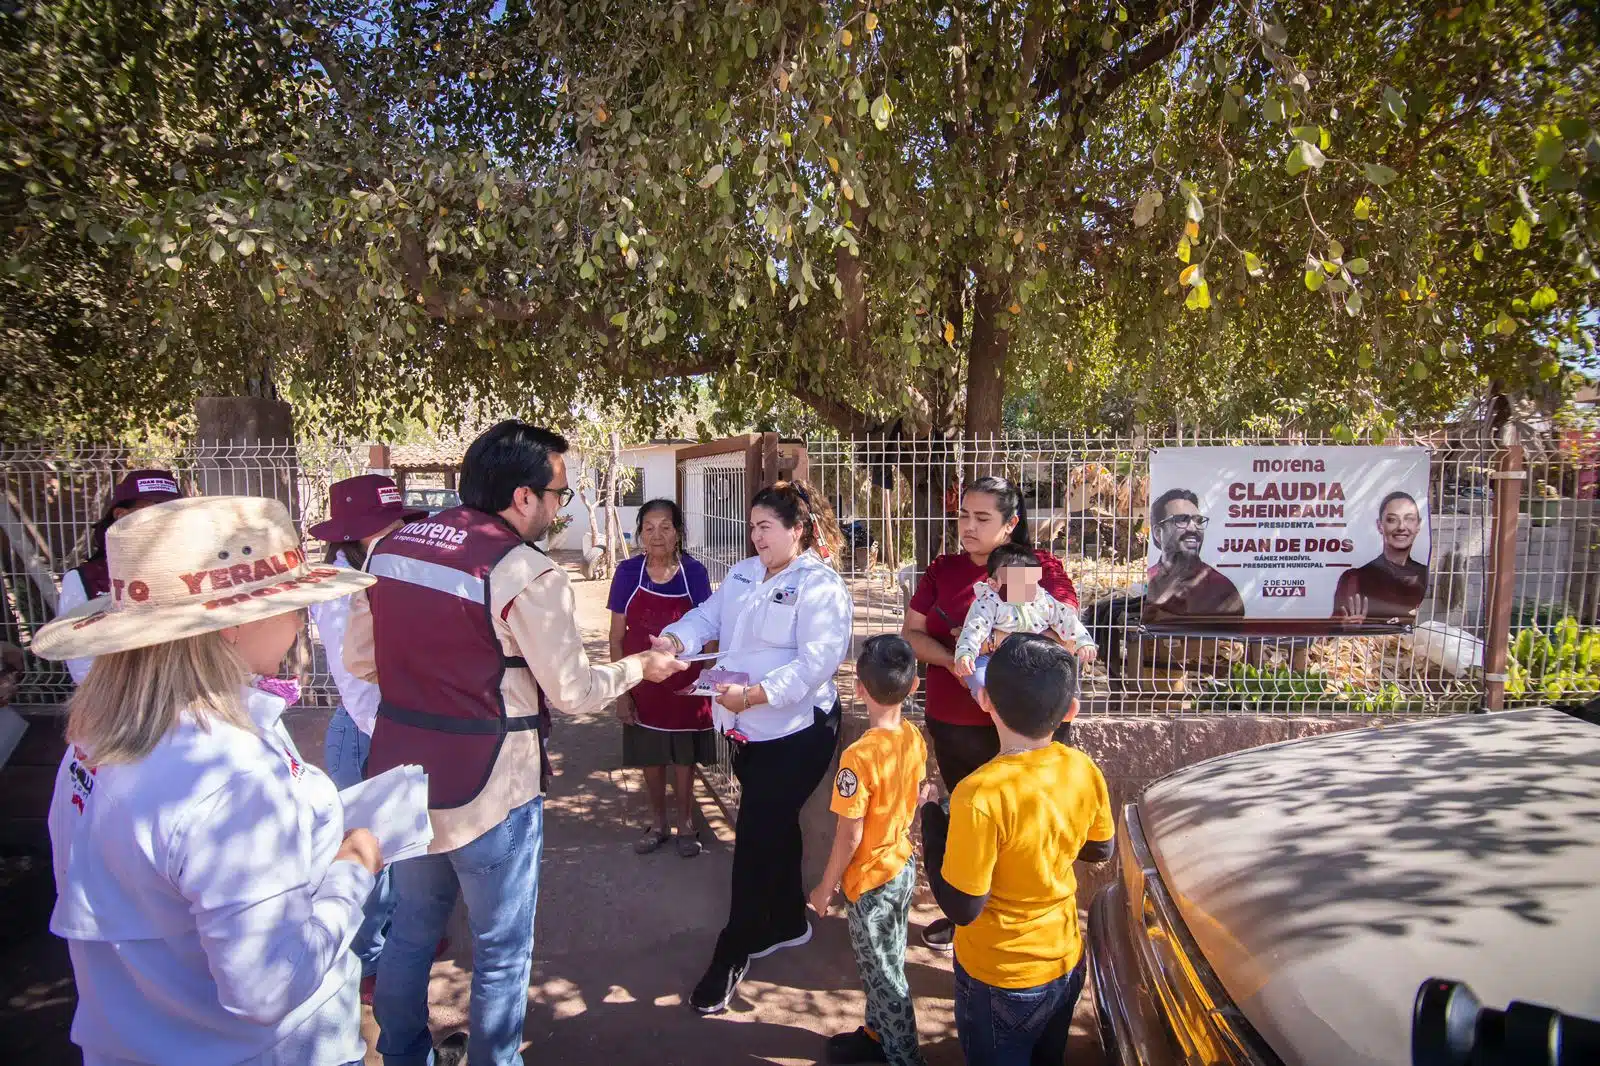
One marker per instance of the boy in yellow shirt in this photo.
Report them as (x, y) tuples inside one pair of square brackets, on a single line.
[(875, 796), (1000, 863)]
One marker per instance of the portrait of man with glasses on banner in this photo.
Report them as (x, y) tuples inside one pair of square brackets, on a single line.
[(1181, 587), (1389, 589)]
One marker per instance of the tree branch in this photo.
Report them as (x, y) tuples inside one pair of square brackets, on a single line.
[(839, 415), (321, 51), (1189, 23), (852, 284), (415, 269)]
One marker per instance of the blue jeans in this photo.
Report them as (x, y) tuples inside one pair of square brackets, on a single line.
[(498, 877), (344, 752), (1015, 1026)]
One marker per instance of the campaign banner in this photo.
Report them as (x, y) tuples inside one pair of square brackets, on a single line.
[(1287, 541)]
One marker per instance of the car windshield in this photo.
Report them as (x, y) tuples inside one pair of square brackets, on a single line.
[(433, 499)]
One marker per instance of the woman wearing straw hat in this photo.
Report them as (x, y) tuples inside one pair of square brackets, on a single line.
[(361, 511), (83, 583), (207, 890)]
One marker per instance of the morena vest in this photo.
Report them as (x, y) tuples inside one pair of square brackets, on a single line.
[(440, 662), (96, 576)]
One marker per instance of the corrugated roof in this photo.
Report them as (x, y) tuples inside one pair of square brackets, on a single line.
[(428, 453)]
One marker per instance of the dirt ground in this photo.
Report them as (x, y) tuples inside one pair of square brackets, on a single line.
[(620, 939)]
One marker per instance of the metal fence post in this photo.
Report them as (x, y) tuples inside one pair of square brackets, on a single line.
[(1508, 482)]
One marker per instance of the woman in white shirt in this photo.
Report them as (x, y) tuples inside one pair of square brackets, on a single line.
[(361, 511), (784, 619), (206, 886)]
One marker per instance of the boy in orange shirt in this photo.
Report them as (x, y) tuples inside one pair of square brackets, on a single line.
[(1000, 863), (875, 796)]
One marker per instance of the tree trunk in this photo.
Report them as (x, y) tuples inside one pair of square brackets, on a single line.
[(933, 484), (1499, 412), (588, 513), (613, 528), (889, 538), (986, 364)]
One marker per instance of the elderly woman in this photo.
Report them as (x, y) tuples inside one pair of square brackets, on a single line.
[(660, 726), (207, 889), (782, 618)]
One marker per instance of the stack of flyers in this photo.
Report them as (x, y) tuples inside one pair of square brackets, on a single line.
[(394, 805), (706, 684)]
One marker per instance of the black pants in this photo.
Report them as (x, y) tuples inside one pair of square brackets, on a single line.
[(961, 749), (776, 777)]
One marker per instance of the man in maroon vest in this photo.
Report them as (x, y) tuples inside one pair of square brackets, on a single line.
[(469, 633), (92, 578)]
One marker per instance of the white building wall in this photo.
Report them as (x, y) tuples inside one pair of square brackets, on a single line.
[(660, 465)]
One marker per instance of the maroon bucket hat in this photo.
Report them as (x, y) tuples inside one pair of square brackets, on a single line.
[(359, 507), (145, 486)]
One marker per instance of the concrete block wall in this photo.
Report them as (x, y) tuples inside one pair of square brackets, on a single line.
[(1130, 751)]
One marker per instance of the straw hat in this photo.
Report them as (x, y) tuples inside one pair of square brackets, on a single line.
[(193, 566)]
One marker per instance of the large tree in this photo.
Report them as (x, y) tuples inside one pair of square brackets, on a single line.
[(890, 211)]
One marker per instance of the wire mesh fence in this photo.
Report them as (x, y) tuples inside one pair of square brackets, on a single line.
[(52, 496), (1088, 501), (1554, 643), (713, 504), (715, 495)]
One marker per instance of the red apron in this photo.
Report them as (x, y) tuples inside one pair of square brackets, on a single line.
[(659, 705)]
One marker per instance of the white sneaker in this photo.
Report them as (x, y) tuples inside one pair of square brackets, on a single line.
[(803, 938)]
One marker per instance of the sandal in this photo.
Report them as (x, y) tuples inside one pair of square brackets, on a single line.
[(689, 845), (651, 841)]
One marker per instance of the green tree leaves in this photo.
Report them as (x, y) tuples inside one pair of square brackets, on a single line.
[(1304, 156), (1379, 174), (1394, 104), (563, 202)]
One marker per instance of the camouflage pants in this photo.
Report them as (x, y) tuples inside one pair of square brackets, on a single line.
[(878, 935)]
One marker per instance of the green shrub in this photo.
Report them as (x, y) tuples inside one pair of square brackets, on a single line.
[(1277, 690), (1536, 614), (1560, 664)]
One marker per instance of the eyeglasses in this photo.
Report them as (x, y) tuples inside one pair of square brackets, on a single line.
[(1186, 521), (563, 495)]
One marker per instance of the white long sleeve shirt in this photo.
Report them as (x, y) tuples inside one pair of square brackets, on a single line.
[(359, 698), (73, 595), (207, 920), (789, 633)]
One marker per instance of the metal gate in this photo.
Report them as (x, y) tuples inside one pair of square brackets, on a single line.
[(714, 495)]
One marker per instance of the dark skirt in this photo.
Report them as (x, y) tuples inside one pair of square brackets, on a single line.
[(642, 746)]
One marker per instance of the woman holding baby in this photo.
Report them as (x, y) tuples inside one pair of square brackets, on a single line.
[(961, 735)]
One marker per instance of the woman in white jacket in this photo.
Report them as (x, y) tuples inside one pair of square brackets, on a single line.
[(206, 887), (784, 619), (361, 511)]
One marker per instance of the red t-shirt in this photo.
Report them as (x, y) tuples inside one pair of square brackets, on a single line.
[(943, 595)]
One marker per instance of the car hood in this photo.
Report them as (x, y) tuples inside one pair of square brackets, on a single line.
[(1325, 879)]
